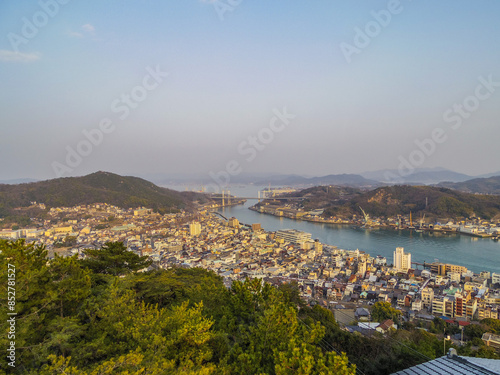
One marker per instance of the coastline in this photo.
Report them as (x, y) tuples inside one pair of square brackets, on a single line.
[(389, 227)]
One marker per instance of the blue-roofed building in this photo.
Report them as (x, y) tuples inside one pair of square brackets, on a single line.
[(452, 364)]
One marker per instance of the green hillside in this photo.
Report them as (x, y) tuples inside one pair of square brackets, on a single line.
[(489, 185), (99, 187), (437, 202), (434, 201)]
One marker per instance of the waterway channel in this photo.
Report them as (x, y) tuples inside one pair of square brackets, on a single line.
[(477, 254)]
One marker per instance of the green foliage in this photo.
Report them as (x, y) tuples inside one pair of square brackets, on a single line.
[(452, 206), (393, 200), (68, 241), (79, 317), (487, 352), (491, 325), (489, 185), (474, 331), (72, 320), (114, 259), (383, 310), (477, 341), (291, 293), (126, 192), (19, 219)]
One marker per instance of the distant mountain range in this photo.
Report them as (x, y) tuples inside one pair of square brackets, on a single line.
[(18, 181), (489, 185), (333, 179), (99, 187), (422, 176), (433, 176), (384, 177)]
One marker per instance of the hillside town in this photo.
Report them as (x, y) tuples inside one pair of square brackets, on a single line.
[(475, 227), (348, 282)]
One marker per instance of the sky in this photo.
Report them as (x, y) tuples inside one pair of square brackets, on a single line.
[(237, 86)]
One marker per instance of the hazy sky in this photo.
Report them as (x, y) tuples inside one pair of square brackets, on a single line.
[(356, 85)]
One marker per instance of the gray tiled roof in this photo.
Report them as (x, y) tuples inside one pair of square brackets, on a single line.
[(455, 366)]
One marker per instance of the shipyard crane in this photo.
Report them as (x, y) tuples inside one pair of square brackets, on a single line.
[(367, 217), (422, 221), (411, 223)]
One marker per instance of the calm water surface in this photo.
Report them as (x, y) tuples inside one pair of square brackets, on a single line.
[(476, 254)]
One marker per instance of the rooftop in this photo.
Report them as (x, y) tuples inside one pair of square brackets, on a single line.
[(452, 364)]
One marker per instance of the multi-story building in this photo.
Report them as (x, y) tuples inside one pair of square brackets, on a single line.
[(293, 236), (470, 308), (318, 247), (454, 276), (362, 268), (491, 340), (485, 274), (10, 234), (461, 304), (416, 305), (174, 247), (256, 227), (438, 306), (442, 268), (470, 286), (495, 278), (438, 268), (233, 223), (402, 261), (449, 306), (427, 295), (487, 311), (142, 211), (444, 306), (456, 268), (195, 229)]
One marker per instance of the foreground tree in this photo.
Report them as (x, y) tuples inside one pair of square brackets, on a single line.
[(114, 259), (383, 310)]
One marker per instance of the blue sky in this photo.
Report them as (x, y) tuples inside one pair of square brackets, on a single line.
[(228, 72)]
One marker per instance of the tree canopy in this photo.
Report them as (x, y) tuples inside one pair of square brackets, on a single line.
[(100, 316), (80, 317), (383, 310), (114, 259)]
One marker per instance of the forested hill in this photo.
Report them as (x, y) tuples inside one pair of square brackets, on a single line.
[(99, 187), (393, 200), (434, 201), (489, 185)]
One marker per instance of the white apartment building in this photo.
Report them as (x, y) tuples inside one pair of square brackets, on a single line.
[(402, 261), (293, 236)]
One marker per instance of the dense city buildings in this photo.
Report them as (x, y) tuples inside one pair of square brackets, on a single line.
[(343, 279)]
